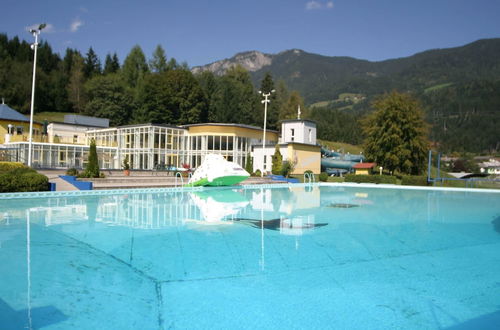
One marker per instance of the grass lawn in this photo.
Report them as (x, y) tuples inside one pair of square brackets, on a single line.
[(348, 148), (51, 116)]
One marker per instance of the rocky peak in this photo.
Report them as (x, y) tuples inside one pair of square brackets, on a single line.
[(251, 60)]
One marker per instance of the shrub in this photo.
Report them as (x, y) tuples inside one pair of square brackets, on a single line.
[(7, 166), (249, 164), (257, 173), (371, 178), (287, 168), (126, 165), (92, 168), (277, 161), (414, 180), (72, 171), (23, 180), (323, 177)]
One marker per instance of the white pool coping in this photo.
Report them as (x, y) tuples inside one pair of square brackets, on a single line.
[(53, 194)]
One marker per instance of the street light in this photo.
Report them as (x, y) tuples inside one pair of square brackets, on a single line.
[(35, 33), (265, 101)]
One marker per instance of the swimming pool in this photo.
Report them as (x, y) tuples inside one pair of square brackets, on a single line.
[(291, 256)]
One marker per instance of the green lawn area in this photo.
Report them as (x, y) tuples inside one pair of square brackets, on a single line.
[(51, 116), (348, 148), (436, 87)]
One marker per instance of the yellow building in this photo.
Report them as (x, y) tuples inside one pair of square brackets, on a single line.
[(364, 168), (233, 141), (14, 127)]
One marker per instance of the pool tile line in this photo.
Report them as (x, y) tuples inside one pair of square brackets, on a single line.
[(159, 304), (49, 194), (157, 283)]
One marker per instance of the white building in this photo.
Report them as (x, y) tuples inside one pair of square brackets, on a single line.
[(297, 144)]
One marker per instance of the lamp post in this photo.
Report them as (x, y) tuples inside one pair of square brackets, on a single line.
[(35, 33), (265, 101)]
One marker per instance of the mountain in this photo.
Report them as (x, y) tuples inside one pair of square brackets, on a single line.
[(459, 87), (252, 61), (322, 78)]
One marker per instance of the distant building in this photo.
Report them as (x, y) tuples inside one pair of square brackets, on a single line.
[(364, 168), (15, 127)]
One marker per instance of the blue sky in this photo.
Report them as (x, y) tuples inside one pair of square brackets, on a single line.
[(204, 31)]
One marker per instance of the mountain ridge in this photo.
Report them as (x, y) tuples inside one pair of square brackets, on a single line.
[(325, 77)]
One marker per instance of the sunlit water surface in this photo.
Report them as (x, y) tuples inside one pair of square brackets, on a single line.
[(290, 258)]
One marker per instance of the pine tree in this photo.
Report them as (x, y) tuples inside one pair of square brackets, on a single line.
[(289, 110), (134, 67), (158, 63), (267, 86), (249, 164), (396, 134), (92, 168), (76, 81), (277, 161), (92, 64), (111, 64)]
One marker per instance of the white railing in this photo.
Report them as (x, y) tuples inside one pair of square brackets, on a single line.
[(179, 175), (309, 177)]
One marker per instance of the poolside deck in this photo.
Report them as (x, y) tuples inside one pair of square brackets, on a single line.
[(137, 179)]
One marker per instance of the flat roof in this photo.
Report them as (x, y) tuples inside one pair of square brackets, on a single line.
[(150, 124), (230, 124), (71, 124), (297, 120), (364, 165)]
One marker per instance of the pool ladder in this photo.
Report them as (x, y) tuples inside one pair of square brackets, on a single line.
[(309, 178), (179, 175)]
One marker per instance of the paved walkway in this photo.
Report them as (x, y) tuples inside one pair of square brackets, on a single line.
[(138, 179), (61, 185)]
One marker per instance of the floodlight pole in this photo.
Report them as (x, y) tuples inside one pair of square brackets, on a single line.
[(35, 33), (265, 101)]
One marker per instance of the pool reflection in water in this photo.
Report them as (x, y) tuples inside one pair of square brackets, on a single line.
[(251, 258)]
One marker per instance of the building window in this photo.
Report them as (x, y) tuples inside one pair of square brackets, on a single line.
[(293, 134), (19, 130), (75, 138)]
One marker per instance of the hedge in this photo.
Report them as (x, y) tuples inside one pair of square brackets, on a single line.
[(371, 178), (7, 166), (414, 180), (23, 179), (323, 177)]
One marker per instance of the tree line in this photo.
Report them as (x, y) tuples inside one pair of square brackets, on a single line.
[(139, 90)]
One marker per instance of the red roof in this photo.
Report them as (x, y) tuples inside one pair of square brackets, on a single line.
[(364, 165)]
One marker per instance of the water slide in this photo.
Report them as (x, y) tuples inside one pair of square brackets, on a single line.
[(336, 163)]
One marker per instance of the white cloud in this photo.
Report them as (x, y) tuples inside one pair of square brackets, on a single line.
[(311, 5), (316, 5), (75, 25)]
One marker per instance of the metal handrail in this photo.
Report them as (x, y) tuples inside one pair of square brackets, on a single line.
[(179, 174), (308, 177)]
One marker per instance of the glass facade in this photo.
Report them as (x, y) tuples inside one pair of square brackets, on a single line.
[(146, 146)]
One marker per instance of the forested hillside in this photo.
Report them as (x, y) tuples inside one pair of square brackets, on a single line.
[(459, 89), (141, 90)]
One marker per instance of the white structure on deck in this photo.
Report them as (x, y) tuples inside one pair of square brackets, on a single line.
[(296, 144)]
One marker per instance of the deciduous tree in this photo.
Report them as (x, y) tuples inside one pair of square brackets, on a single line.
[(109, 98)]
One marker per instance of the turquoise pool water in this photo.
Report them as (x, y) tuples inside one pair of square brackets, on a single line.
[(304, 257)]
